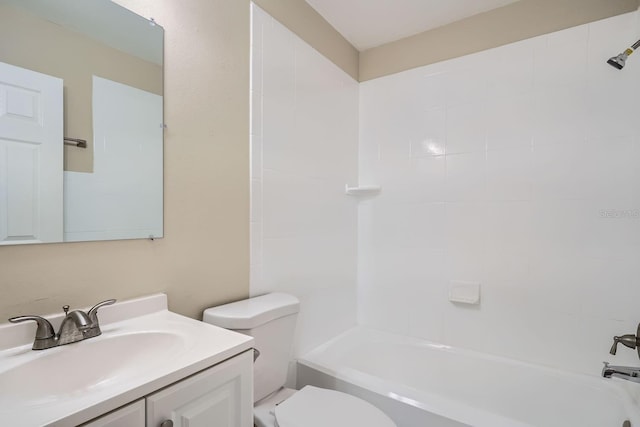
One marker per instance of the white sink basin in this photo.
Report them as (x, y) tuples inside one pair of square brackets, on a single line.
[(143, 348), (78, 368)]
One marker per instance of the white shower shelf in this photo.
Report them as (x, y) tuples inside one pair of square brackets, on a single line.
[(362, 190)]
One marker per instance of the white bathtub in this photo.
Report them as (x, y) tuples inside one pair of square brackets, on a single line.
[(421, 384)]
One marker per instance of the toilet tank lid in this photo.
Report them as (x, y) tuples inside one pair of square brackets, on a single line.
[(252, 312)]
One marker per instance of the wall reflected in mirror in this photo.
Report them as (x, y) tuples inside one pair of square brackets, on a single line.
[(82, 70)]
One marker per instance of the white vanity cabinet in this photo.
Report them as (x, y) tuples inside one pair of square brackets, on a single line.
[(220, 396), (131, 415)]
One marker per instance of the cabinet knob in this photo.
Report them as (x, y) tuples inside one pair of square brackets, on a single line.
[(167, 423)]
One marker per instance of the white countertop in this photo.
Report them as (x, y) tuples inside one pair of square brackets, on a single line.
[(70, 394)]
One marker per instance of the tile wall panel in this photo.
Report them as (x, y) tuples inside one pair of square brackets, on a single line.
[(304, 148), (519, 168)]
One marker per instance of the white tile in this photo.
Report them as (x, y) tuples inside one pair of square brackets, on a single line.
[(560, 172), (291, 264), (600, 274), (509, 229), (256, 113), (595, 169), (427, 132), (560, 116), (426, 312), (509, 174), (561, 64), (278, 61), (563, 227), (257, 37), (385, 309), (465, 326), (298, 206), (256, 200), (511, 69), (465, 177), (255, 230), (575, 36), (313, 326), (432, 89), (427, 179), (611, 115), (547, 346), (255, 279), (466, 85), (466, 240), (279, 148), (256, 157), (407, 269), (466, 128), (510, 121), (409, 226), (612, 164), (558, 284), (612, 236), (419, 180)]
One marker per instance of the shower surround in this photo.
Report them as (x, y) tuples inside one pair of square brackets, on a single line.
[(516, 168)]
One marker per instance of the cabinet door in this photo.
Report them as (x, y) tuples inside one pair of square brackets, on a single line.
[(221, 396), (131, 415)]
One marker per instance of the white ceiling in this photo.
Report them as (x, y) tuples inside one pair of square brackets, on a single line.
[(370, 23)]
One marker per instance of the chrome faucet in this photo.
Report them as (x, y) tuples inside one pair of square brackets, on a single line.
[(629, 373), (76, 326)]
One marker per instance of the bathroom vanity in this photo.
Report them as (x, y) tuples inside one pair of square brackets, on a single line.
[(150, 367)]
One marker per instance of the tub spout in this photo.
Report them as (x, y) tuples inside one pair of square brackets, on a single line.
[(629, 373)]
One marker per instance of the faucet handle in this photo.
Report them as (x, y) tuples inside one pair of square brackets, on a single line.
[(93, 312), (44, 331), (628, 340), (94, 330)]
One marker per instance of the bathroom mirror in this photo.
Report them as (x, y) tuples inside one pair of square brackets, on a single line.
[(81, 122)]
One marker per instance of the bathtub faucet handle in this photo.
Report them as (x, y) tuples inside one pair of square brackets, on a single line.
[(628, 340)]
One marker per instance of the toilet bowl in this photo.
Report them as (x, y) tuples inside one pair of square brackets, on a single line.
[(317, 407), (270, 320)]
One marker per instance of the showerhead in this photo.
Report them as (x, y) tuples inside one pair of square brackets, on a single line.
[(620, 61)]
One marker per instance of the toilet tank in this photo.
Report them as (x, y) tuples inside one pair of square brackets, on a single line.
[(271, 320)]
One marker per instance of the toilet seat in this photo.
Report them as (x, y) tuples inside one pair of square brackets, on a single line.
[(318, 407)]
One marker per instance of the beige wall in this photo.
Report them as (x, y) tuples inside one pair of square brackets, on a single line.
[(311, 27), (204, 258), (514, 22), (52, 49)]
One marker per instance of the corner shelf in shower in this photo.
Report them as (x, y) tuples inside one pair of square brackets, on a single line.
[(362, 190)]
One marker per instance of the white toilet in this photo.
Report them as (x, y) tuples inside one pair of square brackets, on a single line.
[(270, 319)]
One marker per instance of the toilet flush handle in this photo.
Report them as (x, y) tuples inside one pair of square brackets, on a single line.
[(167, 423), (256, 354)]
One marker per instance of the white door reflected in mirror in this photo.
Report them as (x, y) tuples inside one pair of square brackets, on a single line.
[(31, 156)]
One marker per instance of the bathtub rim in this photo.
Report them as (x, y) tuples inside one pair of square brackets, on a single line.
[(628, 395)]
